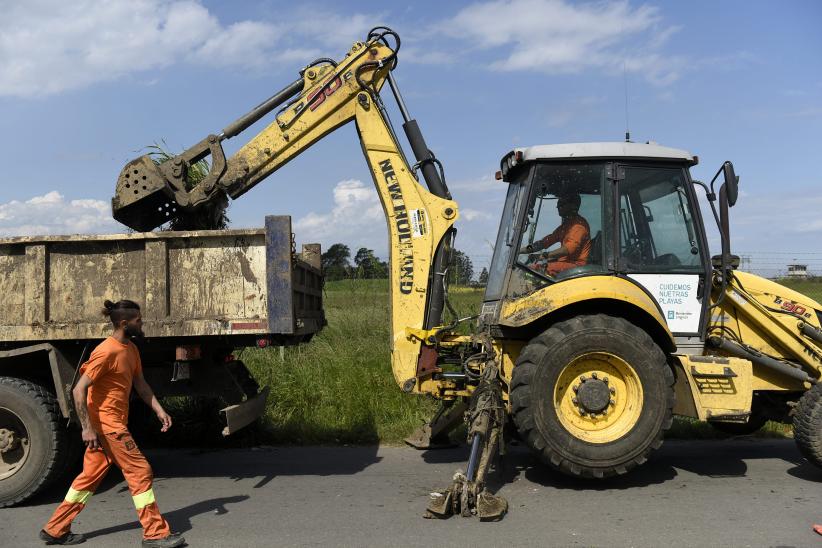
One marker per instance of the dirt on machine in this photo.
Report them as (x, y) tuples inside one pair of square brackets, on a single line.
[(587, 361)]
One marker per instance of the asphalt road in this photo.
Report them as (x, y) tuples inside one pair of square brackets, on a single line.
[(707, 493)]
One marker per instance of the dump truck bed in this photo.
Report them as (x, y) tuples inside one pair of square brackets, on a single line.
[(189, 284)]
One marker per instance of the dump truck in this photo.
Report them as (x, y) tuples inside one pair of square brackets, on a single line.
[(203, 295)]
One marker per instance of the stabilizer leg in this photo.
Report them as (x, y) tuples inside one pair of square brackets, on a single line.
[(434, 433), (467, 494)]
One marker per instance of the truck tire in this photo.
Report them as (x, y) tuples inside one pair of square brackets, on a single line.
[(807, 425), (592, 396), (32, 440)]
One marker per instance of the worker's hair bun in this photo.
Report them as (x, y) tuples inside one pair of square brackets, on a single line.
[(109, 307)]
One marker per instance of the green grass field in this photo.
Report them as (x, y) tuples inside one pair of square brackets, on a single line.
[(811, 287), (339, 389)]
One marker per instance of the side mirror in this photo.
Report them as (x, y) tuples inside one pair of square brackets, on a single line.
[(731, 183)]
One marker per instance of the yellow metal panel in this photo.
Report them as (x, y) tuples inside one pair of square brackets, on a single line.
[(719, 387), (508, 351), (753, 302), (524, 310), (417, 221)]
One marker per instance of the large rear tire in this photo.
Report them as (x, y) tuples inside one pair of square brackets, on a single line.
[(592, 396), (807, 425), (32, 441)]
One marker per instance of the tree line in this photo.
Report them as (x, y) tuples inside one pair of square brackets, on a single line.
[(337, 265)]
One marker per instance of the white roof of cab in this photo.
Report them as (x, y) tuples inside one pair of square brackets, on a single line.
[(605, 150)]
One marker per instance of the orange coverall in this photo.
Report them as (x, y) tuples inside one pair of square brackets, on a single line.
[(575, 235), (111, 368)]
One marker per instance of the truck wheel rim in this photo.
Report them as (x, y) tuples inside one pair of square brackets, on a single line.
[(598, 397), (14, 443)]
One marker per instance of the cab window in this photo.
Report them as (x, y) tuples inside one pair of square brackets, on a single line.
[(562, 232), (656, 226)]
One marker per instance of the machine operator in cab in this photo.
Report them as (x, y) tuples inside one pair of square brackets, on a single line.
[(573, 235)]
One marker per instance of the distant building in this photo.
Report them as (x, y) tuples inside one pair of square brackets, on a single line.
[(798, 271)]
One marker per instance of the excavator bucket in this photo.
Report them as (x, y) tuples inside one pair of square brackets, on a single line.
[(467, 495), (148, 194), (142, 199), (462, 499)]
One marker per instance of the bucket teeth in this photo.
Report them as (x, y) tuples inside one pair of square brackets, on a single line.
[(461, 499), (491, 507)]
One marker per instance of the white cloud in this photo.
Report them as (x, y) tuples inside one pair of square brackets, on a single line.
[(53, 214), (469, 215), (48, 46), (556, 36), (356, 219), (331, 29), (422, 56)]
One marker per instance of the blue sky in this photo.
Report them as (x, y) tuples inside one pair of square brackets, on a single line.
[(85, 85)]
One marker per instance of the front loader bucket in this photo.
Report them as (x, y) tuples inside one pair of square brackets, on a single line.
[(142, 198)]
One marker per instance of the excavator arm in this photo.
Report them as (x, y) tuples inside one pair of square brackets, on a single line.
[(327, 96)]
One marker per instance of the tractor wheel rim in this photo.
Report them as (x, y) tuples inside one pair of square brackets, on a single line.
[(598, 397), (15, 443)]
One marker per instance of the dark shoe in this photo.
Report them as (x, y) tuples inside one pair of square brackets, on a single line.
[(174, 539), (67, 539)]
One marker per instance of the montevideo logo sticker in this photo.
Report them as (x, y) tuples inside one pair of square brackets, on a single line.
[(405, 248)]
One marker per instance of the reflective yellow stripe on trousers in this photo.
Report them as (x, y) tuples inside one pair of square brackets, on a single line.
[(143, 499), (80, 497)]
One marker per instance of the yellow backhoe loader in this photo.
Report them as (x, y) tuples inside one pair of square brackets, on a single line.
[(590, 348)]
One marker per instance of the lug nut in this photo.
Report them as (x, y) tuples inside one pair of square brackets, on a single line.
[(576, 388), (582, 378), (605, 380), (612, 401), (594, 375), (612, 390), (575, 401), (582, 411)]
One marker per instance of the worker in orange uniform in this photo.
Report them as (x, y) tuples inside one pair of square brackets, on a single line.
[(573, 235), (101, 399)]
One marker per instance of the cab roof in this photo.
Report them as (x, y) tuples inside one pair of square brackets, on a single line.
[(605, 150)]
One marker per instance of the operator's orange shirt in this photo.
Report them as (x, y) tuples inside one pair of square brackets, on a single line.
[(575, 235), (111, 368)]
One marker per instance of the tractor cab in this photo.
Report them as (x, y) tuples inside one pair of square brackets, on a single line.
[(624, 210)]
